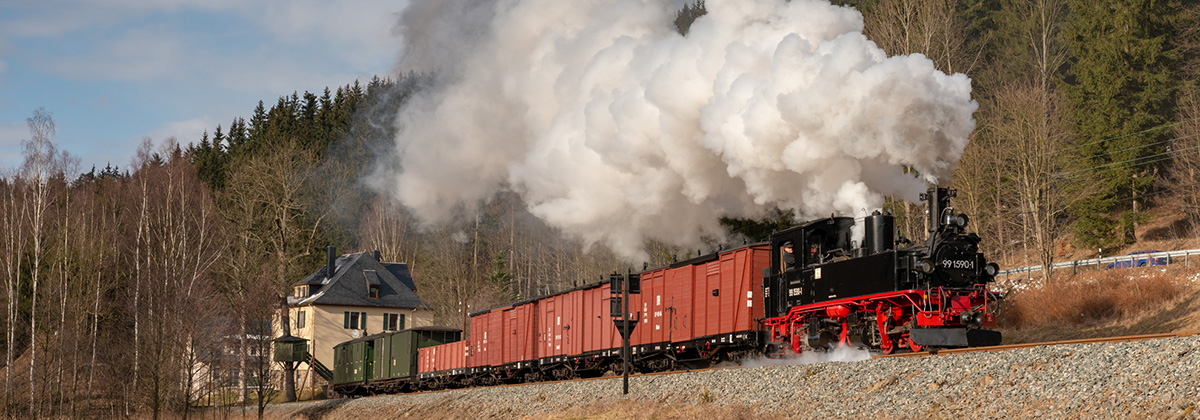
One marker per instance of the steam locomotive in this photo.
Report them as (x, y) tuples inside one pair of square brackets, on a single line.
[(826, 283), (877, 296)]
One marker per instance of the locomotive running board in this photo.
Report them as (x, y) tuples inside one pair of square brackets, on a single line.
[(954, 337)]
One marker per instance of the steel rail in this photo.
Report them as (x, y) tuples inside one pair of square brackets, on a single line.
[(1003, 347)]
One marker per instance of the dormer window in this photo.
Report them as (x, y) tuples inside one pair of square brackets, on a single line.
[(373, 283)]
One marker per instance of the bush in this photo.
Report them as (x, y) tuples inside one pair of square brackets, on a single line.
[(1089, 298)]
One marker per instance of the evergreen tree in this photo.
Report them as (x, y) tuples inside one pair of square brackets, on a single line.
[(258, 122), (1122, 85), (237, 134), (687, 15)]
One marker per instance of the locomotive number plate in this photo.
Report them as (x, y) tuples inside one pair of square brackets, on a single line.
[(959, 264)]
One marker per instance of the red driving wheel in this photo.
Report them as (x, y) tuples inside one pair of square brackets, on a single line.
[(913, 345)]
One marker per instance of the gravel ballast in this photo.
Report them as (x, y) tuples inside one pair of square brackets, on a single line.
[(1141, 379)]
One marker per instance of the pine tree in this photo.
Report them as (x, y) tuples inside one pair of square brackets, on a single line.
[(687, 15), (1122, 85)]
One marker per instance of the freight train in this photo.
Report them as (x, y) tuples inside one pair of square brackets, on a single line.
[(829, 282)]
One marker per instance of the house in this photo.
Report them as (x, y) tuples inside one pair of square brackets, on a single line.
[(352, 296)]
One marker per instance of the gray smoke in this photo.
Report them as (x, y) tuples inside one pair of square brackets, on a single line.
[(616, 129)]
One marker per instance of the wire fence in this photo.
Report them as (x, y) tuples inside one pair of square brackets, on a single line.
[(1120, 261)]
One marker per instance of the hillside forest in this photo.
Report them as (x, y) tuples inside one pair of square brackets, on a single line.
[(118, 280)]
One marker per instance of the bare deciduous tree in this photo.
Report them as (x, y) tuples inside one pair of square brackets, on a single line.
[(279, 183), (1183, 175)]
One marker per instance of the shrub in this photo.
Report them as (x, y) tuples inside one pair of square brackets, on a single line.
[(1090, 298)]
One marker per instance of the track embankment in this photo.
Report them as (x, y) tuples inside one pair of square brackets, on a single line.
[(1146, 378)]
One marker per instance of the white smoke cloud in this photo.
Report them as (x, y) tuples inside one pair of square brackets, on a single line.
[(841, 353), (616, 129)]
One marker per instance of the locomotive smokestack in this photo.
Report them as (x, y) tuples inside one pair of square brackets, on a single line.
[(330, 259), (931, 199), (938, 199)]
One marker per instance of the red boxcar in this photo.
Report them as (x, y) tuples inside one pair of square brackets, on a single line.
[(487, 340), (597, 331), (520, 328), (551, 310)]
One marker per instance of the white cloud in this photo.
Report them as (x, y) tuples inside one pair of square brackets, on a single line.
[(358, 32), (51, 19), (183, 131), (121, 152), (11, 135), (299, 41), (138, 54)]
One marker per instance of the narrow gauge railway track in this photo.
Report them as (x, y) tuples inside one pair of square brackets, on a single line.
[(1048, 343), (632, 375), (917, 354)]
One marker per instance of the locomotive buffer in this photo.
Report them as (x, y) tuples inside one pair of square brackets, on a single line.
[(620, 304)]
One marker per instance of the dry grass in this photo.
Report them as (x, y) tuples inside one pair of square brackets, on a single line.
[(1104, 303)]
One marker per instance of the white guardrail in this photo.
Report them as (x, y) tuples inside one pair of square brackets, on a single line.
[(1172, 257)]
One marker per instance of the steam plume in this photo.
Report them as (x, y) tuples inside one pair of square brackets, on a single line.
[(615, 128)]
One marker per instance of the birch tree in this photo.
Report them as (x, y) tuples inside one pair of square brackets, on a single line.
[(42, 163)]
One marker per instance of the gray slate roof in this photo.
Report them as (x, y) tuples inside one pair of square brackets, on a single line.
[(348, 286), (400, 270)]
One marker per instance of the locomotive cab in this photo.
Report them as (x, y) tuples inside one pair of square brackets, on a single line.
[(822, 260)]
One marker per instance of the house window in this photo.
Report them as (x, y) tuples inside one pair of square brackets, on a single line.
[(374, 292), (300, 319), (393, 322), (354, 320)]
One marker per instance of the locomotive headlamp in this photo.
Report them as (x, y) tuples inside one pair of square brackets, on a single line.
[(991, 269), (961, 220), (958, 220), (926, 266)]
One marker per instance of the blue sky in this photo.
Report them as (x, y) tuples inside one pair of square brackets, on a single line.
[(113, 72)]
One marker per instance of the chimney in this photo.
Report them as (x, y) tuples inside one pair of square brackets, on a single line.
[(375, 254), (330, 259)]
